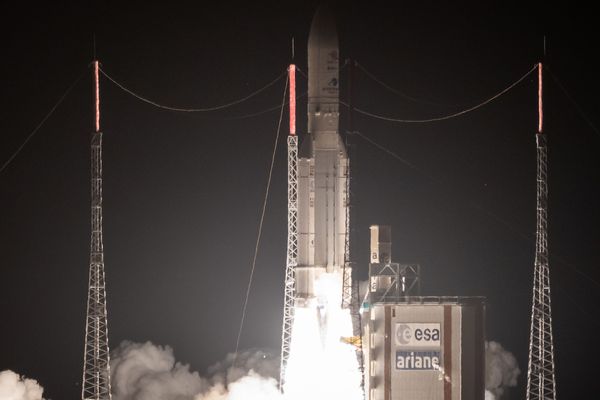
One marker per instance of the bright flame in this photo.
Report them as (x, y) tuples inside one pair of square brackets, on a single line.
[(321, 366)]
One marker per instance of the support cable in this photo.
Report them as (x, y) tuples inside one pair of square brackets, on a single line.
[(192, 110), (304, 74), (260, 226), (37, 128), (445, 117), (589, 316), (471, 203), (396, 91), (572, 100), (391, 153), (507, 224), (255, 114)]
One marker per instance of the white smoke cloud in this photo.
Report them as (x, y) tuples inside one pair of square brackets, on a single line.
[(15, 387), (145, 371), (501, 370), (257, 363), (248, 387)]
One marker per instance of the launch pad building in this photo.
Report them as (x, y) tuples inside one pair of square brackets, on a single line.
[(418, 347)]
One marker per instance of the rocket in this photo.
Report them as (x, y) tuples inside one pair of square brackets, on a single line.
[(322, 168)]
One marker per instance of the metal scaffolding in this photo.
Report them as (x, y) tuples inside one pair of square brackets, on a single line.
[(96, 369), (541, 384), (393, 282), (292, 235), (347, 269)]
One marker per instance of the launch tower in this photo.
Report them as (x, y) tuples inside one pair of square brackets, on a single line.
[(541, 384), (96, 370)]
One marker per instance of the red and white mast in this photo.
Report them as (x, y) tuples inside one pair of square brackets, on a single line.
[(96, 360), (541, 383), (292, 237)]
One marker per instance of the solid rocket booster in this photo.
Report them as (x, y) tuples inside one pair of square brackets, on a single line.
[(322, 166)]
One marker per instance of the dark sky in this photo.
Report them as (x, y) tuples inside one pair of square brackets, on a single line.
[(182, 193)]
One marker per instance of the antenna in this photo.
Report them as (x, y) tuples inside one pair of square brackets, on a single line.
[(544, 47), (293, 49)]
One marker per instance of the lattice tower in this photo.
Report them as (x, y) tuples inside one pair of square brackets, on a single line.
[(96, 369), (541, 384), (292, 234)]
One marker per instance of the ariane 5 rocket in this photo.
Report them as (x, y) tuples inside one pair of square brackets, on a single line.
[(323, 196)]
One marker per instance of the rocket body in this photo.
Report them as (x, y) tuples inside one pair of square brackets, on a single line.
[(321, 364), (322, 168)]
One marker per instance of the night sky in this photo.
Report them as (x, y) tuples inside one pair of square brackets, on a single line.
[(183, 192)]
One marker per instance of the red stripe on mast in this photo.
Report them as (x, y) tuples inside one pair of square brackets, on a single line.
[(96, 96), (540, 104), (292, 77)]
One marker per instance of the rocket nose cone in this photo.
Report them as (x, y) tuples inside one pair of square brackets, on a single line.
[(322, 29)]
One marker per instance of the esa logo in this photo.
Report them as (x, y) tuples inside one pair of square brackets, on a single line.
[(418, 334)]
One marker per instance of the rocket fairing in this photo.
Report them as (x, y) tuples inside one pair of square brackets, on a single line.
[(322, 167)]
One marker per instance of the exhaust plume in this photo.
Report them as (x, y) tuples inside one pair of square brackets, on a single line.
[(321, 365), (501, 370), (16, 387)]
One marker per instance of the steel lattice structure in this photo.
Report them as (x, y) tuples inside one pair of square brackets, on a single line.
[(292, 255), (347, 271), (357, 331), (541, 384), (350, 290), (292, 234), (96, 369)]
